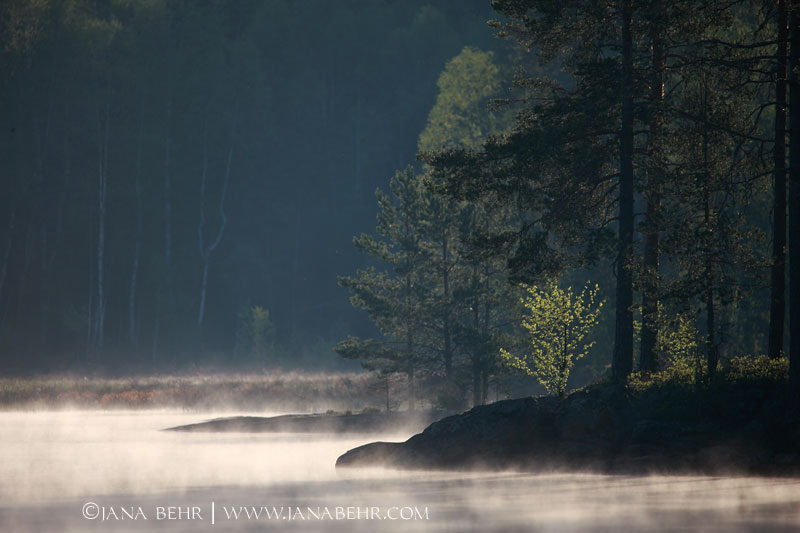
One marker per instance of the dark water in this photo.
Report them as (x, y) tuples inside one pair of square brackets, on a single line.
[(114, 471)]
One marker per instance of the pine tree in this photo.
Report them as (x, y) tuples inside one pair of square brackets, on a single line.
[(707, 192), (393, 299)]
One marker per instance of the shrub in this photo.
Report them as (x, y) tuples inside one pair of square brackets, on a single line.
[(679, 349), (757, 368)]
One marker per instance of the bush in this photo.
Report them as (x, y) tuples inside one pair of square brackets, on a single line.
[(683, 371), (679, 350), (757, 369)]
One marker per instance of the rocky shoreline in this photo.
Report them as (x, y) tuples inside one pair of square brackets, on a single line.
[(605, 428)]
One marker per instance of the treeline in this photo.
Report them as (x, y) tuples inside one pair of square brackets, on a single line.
[(649, 138), (181, 180)]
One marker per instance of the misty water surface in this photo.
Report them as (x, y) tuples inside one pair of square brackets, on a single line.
[(54, 463)]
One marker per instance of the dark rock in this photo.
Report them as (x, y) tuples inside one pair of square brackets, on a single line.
[(319, 423), (372, 454), (604, 428)]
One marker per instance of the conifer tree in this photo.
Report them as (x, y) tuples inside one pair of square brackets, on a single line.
[(393, 298)]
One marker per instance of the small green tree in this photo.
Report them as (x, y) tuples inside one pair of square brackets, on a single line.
[(255, 337), (558, 321)]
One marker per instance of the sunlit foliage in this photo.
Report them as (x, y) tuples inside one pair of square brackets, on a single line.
[(558, 322)]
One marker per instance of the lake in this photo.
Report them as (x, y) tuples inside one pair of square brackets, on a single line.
[(116, 471)]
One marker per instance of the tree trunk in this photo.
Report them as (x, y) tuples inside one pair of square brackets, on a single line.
[(293, 306), (477, 354), (487, 315), (563, 369), (166, 282), (40, 185), (794, 218), (50, 248), (90, 297), (7, 253), (447, 337), (412, 390), (648, 360), (476, 380), (168, 210), (485, 382), (137, 249), (622, 362), (712, 351), (777, 312), (412, 393), (156, 332), (207, 250), (102, 194)]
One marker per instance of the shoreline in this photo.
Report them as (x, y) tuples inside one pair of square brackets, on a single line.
[(605, 429)]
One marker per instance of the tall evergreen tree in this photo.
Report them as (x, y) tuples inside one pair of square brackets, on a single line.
[(394, 299)]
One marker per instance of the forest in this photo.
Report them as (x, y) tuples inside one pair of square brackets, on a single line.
[(609, 187), (169, 166)]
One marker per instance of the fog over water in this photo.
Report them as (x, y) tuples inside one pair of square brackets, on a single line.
[(55, 463)]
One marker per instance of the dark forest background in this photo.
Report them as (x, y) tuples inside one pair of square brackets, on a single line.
[(125, 123)]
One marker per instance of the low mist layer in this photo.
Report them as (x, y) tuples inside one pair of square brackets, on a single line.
[(56, 462), (276, 391)]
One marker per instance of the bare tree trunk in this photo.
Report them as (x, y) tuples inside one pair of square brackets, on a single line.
[(137, 249), (207, 250), (102, 194), (777, 311), (647, 354), (622, 362), (40, 210), (166, 282)]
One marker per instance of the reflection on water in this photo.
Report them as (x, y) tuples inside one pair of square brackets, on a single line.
[(55, 462)]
